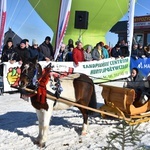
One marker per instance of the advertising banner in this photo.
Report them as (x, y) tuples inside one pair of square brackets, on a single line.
[(143, 65), (99, 71), (64, 15)]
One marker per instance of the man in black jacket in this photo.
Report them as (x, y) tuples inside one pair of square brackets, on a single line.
[(47, 49), (22, 52)]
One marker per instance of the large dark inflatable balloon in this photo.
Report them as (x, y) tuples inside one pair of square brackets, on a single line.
[(103, 14)]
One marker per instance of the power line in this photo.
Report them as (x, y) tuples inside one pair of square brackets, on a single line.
[(143, 7), (119, 8), (27, 17), (19, 12), (13, 13)]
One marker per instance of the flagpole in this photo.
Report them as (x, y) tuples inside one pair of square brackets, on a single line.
[(57, 27), (130, 24), (2, 22), (64, 15)]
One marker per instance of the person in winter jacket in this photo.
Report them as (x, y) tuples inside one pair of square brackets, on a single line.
[(78, 54), (46, 49), (99, 52), (8, 52), (116, 51), (62, 53), (88, 54), (135, 80), (22, 52), (35, 51)]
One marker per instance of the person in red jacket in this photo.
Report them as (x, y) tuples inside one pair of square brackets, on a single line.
[(78, 54)]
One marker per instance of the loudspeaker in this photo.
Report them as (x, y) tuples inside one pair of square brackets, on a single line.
[(81, 19)]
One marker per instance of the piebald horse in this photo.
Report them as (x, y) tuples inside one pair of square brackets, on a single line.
[(78, 88)]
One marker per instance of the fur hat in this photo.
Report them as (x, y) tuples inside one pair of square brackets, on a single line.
[(9, 40), (34, 42), (71, 46), (47, 38), (23, 41)]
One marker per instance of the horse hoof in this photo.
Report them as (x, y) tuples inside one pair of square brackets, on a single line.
[(41, 145), (36, 142)]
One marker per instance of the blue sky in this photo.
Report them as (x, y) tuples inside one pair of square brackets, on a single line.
[(25, 22)]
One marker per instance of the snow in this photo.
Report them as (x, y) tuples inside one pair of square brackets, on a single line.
[(19, 126)]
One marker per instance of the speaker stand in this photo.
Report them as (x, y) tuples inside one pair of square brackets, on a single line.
[(80, 35)]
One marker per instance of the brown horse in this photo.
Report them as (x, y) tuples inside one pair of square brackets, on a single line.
[(78, 88)]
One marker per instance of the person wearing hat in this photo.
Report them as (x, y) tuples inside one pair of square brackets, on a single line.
[(46, 49), (27, 43), (22, 52), (8, 54), (69, 56), (35, 51), (88, 54), (70, 44)]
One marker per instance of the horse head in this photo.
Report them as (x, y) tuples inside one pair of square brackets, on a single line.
[(31, 71)]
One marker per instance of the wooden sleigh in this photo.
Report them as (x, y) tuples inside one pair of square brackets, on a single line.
[(121, 102)]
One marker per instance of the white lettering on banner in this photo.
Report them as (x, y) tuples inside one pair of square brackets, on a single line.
[(100, 71), (142, 66)]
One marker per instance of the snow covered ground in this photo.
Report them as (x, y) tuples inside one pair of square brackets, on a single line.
[(18, 127)]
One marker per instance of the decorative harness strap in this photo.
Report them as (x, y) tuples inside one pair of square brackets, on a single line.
[(42, 82), (41, 91)]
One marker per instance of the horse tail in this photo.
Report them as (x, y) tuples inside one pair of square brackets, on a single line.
[(93, 100)]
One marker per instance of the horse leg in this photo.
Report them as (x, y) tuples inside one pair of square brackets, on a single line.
[(39, 116), (44, 119), (85, 121)]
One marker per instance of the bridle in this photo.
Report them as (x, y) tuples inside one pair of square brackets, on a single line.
[(32, 76)]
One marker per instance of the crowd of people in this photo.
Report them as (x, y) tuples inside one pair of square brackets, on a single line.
[(75, 52), (138, 51), (70, 51)]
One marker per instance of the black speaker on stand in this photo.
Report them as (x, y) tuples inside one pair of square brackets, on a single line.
[(81, 20)]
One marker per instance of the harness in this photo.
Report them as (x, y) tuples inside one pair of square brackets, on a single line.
[(40, 84), (33, 79)]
